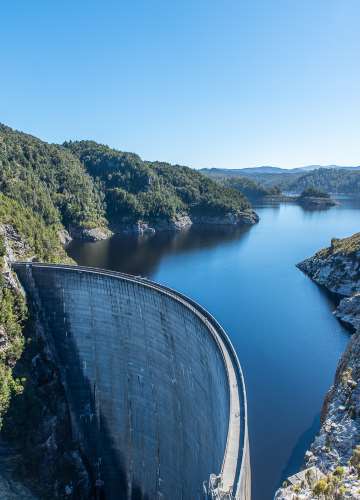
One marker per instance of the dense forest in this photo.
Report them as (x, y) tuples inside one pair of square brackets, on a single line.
[(250, 188), (328, 180), (47, 179), (87, 185), (313, 192), (135, 189), (265, 180)]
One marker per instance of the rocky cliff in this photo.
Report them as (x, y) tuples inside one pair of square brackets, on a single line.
[(332, 465), (38, 456), (337, 268), (182, 222)]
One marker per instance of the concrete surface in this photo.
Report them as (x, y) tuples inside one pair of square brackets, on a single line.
[(155, 390)]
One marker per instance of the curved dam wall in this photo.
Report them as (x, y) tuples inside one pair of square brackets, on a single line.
[(154, 388)]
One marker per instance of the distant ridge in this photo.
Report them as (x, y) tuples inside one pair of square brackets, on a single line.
[(268, 169)]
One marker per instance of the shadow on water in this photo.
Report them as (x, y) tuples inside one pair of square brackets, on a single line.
[(142, 255), (300, 448)]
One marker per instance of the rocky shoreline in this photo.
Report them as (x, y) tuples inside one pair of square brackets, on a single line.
[(332, 465), (39, 458), (177, 223), (314, 202)]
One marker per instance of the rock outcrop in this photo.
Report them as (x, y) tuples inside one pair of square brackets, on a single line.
[(183, 222), (36, 441), (335, 451), (337, 267), (247, 217), (86, 234), (316, 203)]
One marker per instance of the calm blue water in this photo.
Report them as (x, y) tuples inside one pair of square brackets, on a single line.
[(280, 322)]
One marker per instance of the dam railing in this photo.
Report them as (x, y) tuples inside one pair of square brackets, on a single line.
[(233, 480)]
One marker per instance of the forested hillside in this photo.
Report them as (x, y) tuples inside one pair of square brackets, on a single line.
[(329, 180), (84, 186), (49, 180), (250, 188), (135, 189)]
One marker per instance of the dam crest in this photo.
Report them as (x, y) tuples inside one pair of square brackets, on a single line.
[(154, 387)]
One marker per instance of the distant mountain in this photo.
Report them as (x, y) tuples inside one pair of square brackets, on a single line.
[(268, 169), (235, 172), (331, 179), (317, 167)]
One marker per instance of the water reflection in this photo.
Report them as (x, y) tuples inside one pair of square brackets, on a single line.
[(352, 202), (142, 255)]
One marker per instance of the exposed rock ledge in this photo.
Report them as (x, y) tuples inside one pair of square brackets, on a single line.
[(140, 227), (315, 202), (248, 217), (181, 222), (335, 452), (87, 234)]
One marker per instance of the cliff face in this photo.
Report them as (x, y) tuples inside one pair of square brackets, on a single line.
[(38, 456), (184, 222), (335, 452), (337, 268)]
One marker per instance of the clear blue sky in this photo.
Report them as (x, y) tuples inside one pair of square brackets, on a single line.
[(198, 82)]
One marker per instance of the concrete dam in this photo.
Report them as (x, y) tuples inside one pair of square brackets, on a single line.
[(154, 387)]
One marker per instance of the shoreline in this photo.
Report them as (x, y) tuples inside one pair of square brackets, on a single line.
[(140, 228), (331, 464)]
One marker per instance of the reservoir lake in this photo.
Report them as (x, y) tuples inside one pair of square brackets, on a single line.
[(279, 321)]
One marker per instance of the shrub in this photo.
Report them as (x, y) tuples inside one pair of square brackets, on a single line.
[(313, 192), (320, 487)]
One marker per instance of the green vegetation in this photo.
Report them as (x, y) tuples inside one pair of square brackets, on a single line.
[(331, 485), (266, 180), (49, 180), (355, 459), (2, 246), (8, 387), (32, 207), (40, 240), (76, 185), (313, 192), (135, 189), (45, 188), (330, 180), (321, 487), (339, 471), (344, 246), (250, 188), (29, 237), (12, 316)]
